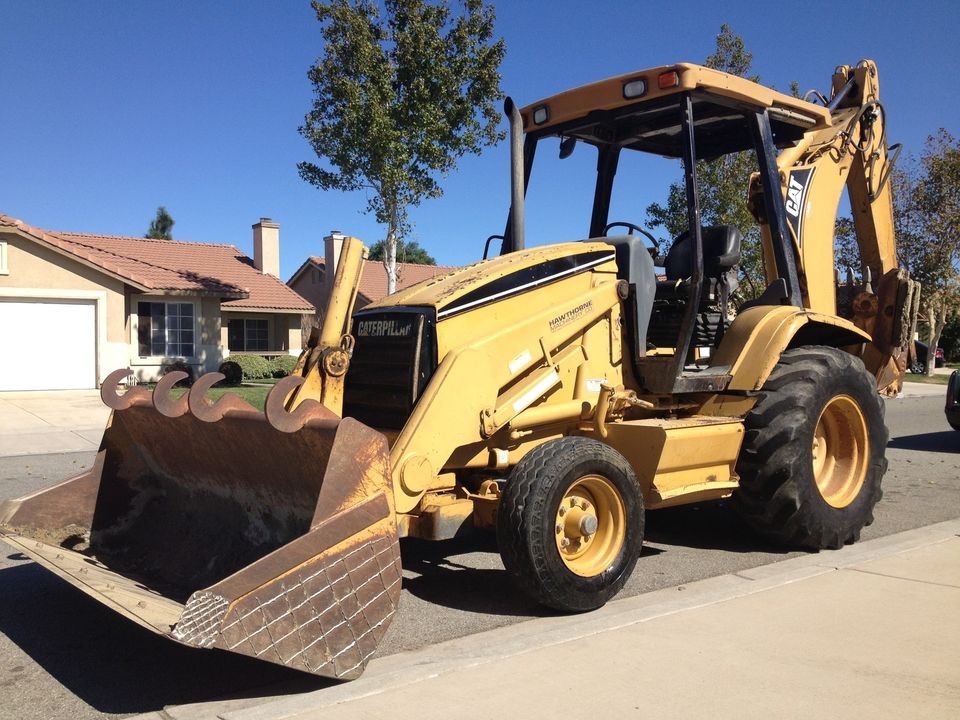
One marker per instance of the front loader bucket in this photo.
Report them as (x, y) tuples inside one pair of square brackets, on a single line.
[(267, 534)]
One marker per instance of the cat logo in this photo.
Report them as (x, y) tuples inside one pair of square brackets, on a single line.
[(797, 186), (384, 328)]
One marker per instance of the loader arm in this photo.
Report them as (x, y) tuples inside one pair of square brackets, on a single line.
[(323, 364), (850, 152)]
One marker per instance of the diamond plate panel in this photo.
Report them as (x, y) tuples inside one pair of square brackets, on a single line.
[(326, 617)]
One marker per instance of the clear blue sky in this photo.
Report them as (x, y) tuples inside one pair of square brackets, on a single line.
[(113, 108)]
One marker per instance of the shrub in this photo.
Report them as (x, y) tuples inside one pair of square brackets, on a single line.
[(182, 367), (283, 365), (233, 373), (254, 367)]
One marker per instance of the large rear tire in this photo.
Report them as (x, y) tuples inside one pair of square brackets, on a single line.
[(813, 454), (570, 524)]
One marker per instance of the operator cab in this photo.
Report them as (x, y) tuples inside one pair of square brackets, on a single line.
[(680, 295)]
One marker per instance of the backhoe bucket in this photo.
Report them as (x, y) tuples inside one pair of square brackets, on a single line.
[(267, 534)]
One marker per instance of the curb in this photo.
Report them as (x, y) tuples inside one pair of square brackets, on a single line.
[(473, 651)]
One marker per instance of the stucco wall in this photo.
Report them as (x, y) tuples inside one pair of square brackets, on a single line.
[(294, 323), (312, 287)]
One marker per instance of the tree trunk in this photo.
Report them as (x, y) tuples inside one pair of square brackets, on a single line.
[(390, 260), (938, 320)]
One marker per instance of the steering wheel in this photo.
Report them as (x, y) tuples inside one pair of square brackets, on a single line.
[(655, 250)]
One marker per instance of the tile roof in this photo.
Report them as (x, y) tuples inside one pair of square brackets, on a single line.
[(373, 281), (173, 266)]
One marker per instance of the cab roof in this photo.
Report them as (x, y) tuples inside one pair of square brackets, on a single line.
[(638, 110)]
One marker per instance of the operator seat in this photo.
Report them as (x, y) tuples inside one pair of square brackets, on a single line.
[(635, 265), (721, 253)]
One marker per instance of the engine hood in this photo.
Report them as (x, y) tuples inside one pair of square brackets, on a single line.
[(499, 278)]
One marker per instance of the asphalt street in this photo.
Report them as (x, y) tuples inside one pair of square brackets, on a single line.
[(62, 655)]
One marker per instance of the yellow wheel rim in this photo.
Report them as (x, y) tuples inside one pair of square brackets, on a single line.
[(840, 451), (590, 525)]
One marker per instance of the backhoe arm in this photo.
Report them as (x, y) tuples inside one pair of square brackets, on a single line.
[(851, 151)]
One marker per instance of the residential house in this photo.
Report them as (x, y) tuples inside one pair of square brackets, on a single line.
[(312, 281), (76, 306)]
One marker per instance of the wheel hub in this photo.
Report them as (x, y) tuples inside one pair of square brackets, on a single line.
[(590, 525), (840, 450)]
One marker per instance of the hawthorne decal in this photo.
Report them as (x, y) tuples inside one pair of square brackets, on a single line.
[(570, 315)]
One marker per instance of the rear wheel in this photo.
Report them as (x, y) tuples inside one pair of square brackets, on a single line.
[(813, 452), (570, 524)]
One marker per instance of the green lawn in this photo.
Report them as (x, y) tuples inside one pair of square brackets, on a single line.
[(933, 380), (256, 395)]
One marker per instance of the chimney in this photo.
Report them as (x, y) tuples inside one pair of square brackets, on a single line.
[(332, 245), (266, 247)]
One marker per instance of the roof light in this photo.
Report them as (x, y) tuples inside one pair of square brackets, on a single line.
[(541, 115), (668, 80), (634, 88)]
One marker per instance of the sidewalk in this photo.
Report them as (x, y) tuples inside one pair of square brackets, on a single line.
[(920, 389), (869, 631), (55, 421)]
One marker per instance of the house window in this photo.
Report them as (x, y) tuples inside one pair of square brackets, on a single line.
[(3, 258), (245, 334), (165, 329)]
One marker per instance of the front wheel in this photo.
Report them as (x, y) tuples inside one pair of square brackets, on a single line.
[(570, 524), (814, 451)]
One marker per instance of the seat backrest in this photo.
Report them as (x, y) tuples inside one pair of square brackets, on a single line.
[(635, 265), (721, 251)]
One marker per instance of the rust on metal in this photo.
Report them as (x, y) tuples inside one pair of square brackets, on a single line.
[(210, 411), (289, 421), (164, 401), (112, 399)]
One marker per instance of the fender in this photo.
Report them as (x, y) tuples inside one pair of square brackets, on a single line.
[(757, 338)]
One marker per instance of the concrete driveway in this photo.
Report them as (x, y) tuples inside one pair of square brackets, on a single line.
[(53, 421)]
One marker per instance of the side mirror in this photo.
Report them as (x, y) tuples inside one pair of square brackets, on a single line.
[(567, 146)]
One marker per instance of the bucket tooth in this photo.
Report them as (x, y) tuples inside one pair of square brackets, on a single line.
[(112, 399), (164, 402), (289, 421), (209, 411)]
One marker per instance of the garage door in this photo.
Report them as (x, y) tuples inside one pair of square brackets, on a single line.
[(47, 345)]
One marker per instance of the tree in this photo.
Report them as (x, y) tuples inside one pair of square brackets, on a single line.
[(950, 338), (161, 227), (407, 252), (723, 182), (398, 100), (927, 215)]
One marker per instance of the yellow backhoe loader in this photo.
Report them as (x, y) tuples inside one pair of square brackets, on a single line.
[(553, 393)]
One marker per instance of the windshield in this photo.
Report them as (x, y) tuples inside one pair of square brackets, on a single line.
[(560, 193)]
